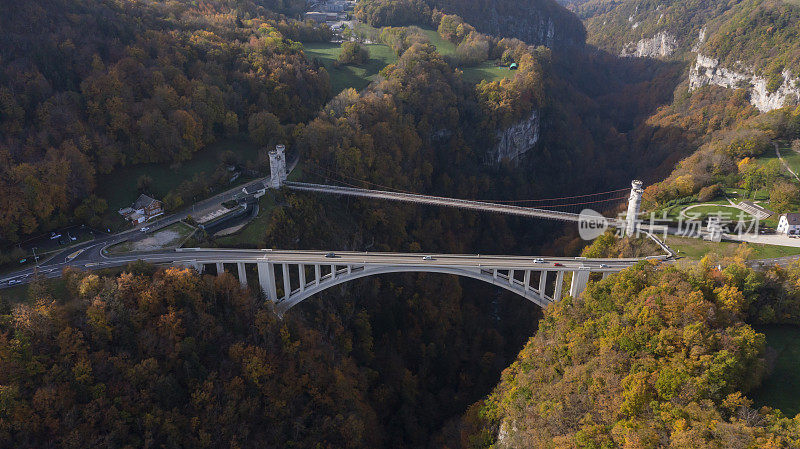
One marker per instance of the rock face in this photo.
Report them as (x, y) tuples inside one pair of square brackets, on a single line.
[(537, 22), (516, 140), (661, 45), (707, 71)]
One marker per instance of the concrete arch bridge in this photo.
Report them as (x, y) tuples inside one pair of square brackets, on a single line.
[(289, 277)]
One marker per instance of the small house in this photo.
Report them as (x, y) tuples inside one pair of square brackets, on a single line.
[(143, 209), (789, 224)]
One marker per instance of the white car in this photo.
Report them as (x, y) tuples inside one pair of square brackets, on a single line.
[(427, 257), (538, 260), (145, 229), (14, 282)]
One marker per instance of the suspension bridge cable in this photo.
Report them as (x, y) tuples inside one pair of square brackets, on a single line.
[(539, 207), (539, 200)]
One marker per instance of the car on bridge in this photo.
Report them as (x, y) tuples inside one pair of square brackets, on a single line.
[(538, 260), (331, 255), (558, 264), (427, 258)]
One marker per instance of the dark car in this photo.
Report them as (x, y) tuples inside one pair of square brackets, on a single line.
[(331, 255)]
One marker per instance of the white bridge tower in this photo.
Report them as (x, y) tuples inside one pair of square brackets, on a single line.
[(634, 204), (277, 167)]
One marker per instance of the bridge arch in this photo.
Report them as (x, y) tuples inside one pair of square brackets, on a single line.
[(486, 275)]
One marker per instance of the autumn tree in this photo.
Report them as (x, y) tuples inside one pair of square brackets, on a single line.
[(353, 53)]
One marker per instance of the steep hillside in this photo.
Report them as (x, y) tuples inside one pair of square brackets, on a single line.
[(647, 27), (750, 44), (537, 22), (756, 46), (90, 85), (651, 357)]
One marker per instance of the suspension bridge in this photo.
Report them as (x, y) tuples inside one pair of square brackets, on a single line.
[(289, 277)]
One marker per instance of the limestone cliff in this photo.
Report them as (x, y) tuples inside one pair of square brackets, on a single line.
[(515, 141), (707, 71), (537, 22), (661, 45)]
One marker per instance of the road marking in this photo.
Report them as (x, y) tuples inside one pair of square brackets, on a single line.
[(75, 254)]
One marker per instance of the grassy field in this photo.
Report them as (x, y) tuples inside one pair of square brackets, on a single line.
[(696, 248), (444, 47), (254, 232), (726, 212), (119, 187), (14, 295), (19, 294), (741, 194), (346, 76), (791, 157), (781, 389), (486, 70)]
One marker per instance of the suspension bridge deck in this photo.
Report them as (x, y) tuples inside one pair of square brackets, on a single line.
[(482, 206)]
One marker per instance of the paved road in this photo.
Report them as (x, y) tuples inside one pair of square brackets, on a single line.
[(91, 251), (192, 255), (781, 261)]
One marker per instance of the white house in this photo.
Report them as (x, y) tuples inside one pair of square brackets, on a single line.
[(789, 224)]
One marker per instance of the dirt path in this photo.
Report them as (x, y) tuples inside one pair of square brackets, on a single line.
[(778, 152)]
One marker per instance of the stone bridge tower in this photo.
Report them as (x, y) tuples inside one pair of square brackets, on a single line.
[(277, 167), (634, 204)]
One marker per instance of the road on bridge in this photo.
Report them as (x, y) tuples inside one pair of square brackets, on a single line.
[(191, 255)]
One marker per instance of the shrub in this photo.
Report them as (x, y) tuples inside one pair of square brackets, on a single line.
[(353, 53), (708, 193)]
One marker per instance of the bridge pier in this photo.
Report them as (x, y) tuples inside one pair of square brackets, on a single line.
[(242, 274), (579, 280), (357, 265), (559, 286), (301, 272), (266, 279), (543, 282), (287, 284)]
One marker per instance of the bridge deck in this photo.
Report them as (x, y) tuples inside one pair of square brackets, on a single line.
[(482, 206)]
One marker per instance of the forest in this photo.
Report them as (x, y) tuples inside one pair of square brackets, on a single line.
[(90, 85), (652, 356), (170, 358), (728, 158)]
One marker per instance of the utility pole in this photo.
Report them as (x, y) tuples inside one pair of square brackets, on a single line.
[(35, 257)]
